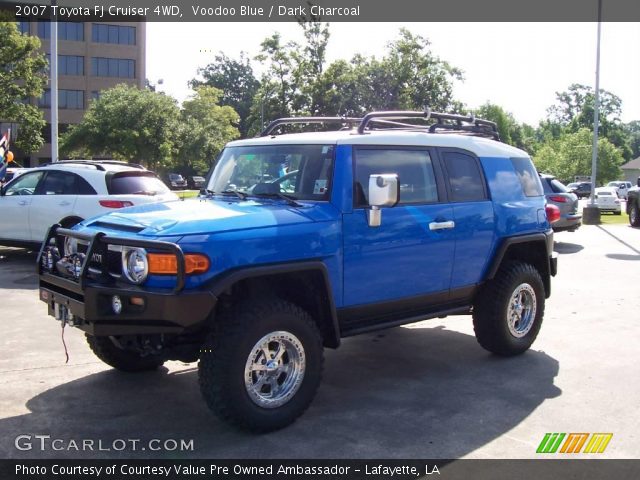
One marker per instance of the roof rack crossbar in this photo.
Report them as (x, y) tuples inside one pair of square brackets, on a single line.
[(482, 130), (297, 120), (427, 114), (95, 163)]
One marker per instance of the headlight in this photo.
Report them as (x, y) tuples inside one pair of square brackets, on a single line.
[(135, 265)]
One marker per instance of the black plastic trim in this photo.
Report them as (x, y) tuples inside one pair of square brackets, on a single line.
[(220, 284)]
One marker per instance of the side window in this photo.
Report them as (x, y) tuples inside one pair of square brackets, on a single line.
[(25, 184), (529, 178), (58, 183), (83, 187), (413, 167), (465, 180)]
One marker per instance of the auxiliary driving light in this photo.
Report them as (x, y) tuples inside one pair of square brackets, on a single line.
[(116, 304)]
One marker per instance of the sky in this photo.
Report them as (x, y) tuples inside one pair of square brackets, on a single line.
[(519, 66)]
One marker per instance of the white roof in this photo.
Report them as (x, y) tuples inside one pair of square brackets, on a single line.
[(482, 147)]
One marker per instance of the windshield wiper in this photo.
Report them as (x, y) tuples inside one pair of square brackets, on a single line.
[(282, 196), (240, 195)]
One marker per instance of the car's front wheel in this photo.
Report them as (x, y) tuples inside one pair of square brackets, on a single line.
[(508, 311), (114, 352), (634, 215), (262, 365)]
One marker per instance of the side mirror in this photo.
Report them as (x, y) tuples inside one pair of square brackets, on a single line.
[(384, 191)]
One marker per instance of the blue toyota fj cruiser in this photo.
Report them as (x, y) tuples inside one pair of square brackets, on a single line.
[(302, 239)]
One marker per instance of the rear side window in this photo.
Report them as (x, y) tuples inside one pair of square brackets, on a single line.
[(413, 167), (528, 176), (83, 187), (465, 179), (135, 184)]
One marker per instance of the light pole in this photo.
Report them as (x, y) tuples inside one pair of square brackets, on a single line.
[(54, 85), (591, 213)]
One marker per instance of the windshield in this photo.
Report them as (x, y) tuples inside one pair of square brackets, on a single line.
[(301, 172)]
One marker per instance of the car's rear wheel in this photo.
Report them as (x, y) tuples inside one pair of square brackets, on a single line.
[(262, 365), (508, 311)]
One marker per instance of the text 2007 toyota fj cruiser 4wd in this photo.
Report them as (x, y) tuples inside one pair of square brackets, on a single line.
[(302, 239)]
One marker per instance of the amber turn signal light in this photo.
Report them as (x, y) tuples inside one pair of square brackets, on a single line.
[(167, 263)]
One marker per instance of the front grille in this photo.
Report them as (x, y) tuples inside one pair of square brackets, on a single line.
[(114, 262)]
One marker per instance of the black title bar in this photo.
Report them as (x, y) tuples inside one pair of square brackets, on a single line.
[(539, 469), (327, 10)]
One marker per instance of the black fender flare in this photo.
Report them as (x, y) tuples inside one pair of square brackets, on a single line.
[(222, 283)]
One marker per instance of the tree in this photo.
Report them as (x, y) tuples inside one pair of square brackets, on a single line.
[(235, 80), (633, 131), (22, 75), (129, 124), (519, 135), (570, 155), (205, 128), (575, 109)]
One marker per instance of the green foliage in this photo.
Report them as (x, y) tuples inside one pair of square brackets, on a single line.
[(129, 124), (146, 127), (205, 127), (511, 132), (633, 132), (575, 109), (235, 80), (22, 75), (570, 155), (298, 81)]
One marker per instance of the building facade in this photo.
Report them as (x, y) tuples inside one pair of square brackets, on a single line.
[(92, 57)]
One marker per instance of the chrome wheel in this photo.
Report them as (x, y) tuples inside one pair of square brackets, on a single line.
[(521, 311), (275, 369)]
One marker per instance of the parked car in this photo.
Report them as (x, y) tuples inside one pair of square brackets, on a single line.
[(195, 182), (374, 227), (581, 189), (68, 192), (560, 196), (175, 181), (622, 188), (607, 200), (633, 205)]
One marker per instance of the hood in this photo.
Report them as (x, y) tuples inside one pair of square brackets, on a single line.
[(199, 216)]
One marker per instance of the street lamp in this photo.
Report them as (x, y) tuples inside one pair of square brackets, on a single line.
[(591, 213)]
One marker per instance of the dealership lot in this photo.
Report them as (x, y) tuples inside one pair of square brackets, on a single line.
[(423, 391)]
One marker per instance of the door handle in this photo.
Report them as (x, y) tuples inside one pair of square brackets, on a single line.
[(64, 203), (22, 202), (442, 225)]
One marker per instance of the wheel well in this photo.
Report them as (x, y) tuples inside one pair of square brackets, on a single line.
[(307, 289), (534, 253), (70, 221)]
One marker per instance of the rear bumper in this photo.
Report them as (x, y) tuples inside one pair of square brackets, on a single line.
[(568, 222)]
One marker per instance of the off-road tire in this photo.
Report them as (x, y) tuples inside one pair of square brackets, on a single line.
[(224, 357), (490, 311), (120, 359), (634, 215)]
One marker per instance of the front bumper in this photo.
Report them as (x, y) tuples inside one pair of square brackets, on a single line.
[(89, 298)]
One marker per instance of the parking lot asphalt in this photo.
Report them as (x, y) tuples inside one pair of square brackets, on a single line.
[(423, 391)]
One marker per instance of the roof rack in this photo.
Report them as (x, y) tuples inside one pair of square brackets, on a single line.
[(444, 121), (96, 163), (297, 120)]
